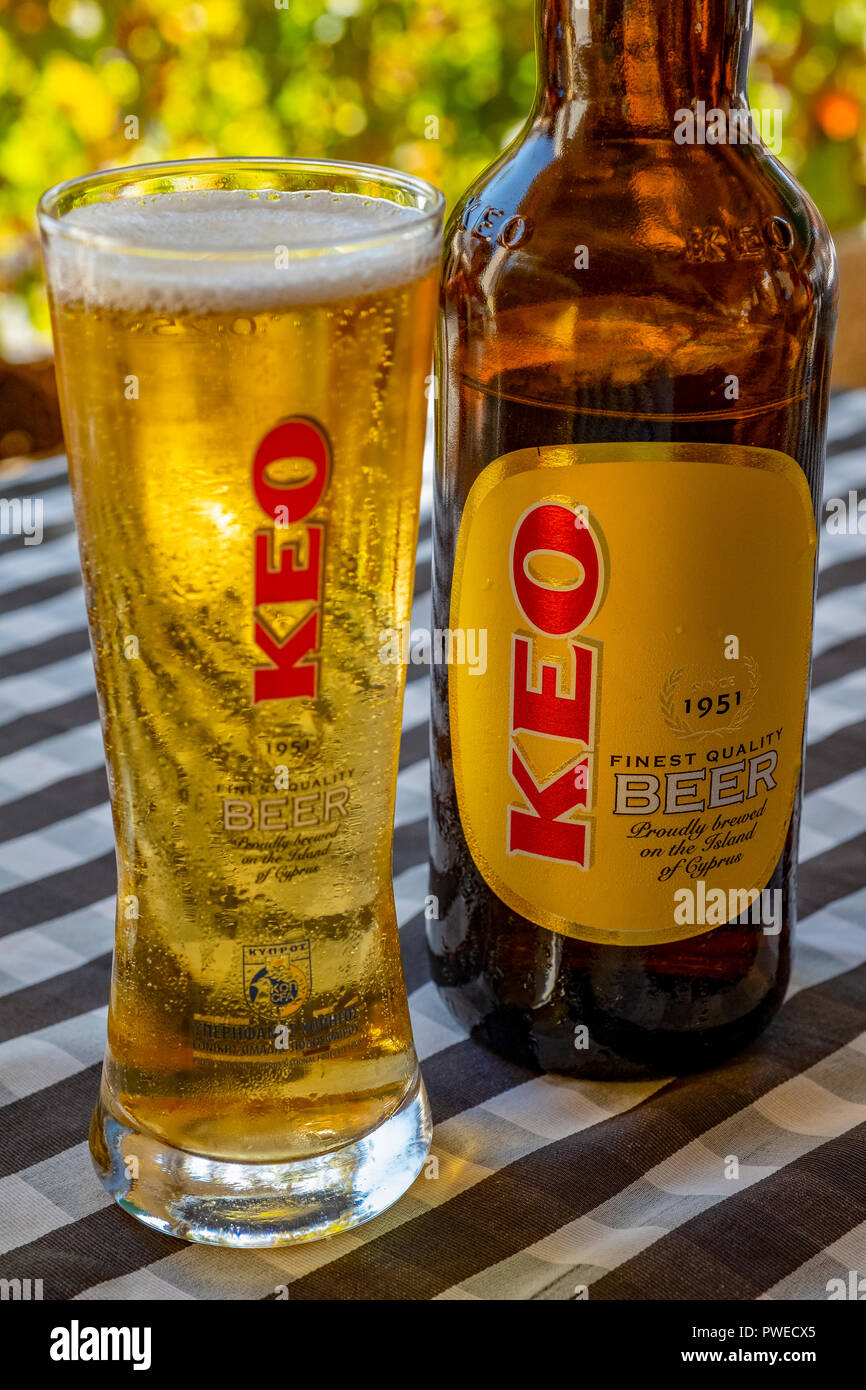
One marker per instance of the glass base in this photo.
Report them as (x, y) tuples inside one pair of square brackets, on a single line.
[(259, 1204)]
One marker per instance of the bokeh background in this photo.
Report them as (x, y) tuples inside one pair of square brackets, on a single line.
[(434, 87)]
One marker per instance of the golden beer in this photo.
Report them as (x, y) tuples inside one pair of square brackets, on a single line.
[(242, 353), (652, 398)]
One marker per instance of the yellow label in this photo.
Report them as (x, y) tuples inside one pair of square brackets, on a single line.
[(627, 761)]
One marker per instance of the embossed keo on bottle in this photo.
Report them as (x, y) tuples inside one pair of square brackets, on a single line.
[(637, 316)]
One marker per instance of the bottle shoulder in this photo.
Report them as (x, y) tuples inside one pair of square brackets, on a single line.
[(638, 264), (601, 217)]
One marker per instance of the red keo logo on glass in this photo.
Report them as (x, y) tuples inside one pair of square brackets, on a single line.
[(292, 573), (555, 697)]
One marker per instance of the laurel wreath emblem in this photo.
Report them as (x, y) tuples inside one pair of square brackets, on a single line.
[(679, 725)]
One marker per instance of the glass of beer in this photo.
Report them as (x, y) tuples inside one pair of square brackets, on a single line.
[(242, 347)]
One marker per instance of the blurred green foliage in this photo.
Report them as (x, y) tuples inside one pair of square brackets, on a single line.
[(432, 86)]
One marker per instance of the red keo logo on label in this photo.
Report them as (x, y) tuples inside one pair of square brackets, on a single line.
[(555, 698), (291, 573)]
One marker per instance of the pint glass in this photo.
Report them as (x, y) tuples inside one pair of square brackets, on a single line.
[(242, 349)]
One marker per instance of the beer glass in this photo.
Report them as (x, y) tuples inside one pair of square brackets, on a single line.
[(242, 348)]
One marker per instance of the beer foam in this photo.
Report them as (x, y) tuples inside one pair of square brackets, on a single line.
[(228, 249)]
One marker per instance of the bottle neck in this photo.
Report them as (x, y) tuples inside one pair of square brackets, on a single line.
[(632, 64)]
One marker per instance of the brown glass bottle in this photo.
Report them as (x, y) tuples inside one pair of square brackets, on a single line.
[(704, 263)]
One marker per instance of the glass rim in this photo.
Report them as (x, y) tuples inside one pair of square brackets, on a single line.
[(125, 177)]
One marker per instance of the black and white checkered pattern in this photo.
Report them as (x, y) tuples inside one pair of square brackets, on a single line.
[(544, 1183)]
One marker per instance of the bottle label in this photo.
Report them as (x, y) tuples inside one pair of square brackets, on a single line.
[(627, 760)]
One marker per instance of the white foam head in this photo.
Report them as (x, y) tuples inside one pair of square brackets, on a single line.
[(228, 249)]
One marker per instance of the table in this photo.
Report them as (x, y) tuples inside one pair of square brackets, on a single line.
[(545, 1186)]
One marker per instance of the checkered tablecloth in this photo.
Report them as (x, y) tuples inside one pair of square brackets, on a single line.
[(544, 1184)]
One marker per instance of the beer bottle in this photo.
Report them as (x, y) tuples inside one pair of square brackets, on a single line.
[(638, 308)]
